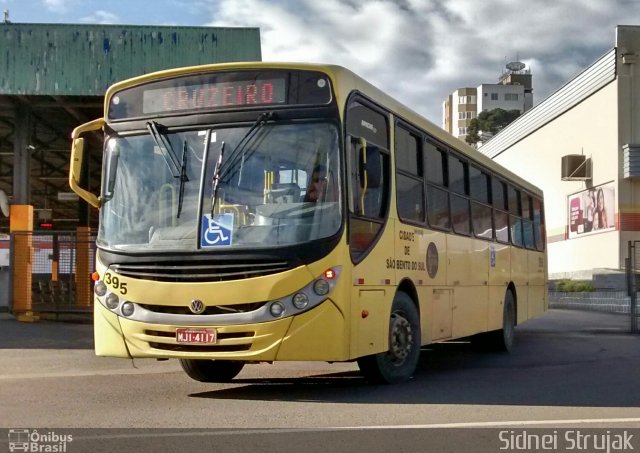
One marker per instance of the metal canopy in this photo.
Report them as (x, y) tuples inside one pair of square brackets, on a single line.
[(53, 78)]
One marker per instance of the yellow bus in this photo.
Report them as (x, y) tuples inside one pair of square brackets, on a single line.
[(260, 212)]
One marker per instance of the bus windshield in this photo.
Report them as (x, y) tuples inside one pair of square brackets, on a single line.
[(277, 184)]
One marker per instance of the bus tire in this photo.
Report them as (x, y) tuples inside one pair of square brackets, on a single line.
[(211, 370), (400, 361), (502, 340)]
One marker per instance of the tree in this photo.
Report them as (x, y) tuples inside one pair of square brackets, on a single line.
[(490, 122)]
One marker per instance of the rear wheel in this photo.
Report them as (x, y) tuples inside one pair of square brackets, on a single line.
[(211, 370), (501, 340), (400, 361)]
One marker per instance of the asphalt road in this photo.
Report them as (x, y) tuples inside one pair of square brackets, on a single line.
[(569, 368)]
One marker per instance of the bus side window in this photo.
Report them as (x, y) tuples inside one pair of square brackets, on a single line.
[(410, 196), (500, 214), (515, 219), (437, 194), (538, 224)]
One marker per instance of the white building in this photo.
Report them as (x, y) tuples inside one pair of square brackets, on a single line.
[(512, 92), (507, 97), (581, 145)]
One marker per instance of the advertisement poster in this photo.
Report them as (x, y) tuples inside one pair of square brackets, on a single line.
[(591, 211)]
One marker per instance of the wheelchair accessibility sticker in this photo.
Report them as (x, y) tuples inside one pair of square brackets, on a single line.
[(216, 231)]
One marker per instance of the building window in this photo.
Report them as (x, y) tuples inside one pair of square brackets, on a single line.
[(462, 131), (494, 96), (511, 96), (466, 99)]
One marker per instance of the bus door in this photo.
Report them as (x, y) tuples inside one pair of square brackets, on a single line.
[(371, 244)]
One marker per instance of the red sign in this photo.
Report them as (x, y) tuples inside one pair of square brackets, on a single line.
[(212, 95), (196, 336)]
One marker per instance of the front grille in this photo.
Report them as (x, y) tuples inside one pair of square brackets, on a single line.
[(210, 310), (200, 348), (200, 271)]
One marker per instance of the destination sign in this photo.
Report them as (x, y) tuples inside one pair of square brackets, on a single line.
[(212, 95), (225, 90)]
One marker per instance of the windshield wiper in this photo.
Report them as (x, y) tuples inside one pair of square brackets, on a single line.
[(223, 167), (235, 153), (165, 148), (216, 179), (183, 178)]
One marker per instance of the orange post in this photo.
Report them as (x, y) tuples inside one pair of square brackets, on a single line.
[(21, 223), (83, 267)]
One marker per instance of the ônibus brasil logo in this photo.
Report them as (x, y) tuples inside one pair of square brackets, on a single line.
[(30, 440)]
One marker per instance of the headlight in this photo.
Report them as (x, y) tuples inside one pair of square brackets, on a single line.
[(321, 287), (300, 301), (276, 309), (100, 289), (127, 308), (112, 301)]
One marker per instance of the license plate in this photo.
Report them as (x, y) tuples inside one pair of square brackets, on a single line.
[(196, 336)]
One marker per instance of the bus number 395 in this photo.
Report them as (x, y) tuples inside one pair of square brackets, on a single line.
[(115, 283)]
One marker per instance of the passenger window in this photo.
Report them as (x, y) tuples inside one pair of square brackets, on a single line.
[(516, 230), (498, 194), (408, 152), (458, 176), (514, 201), (435, 165), (482, 221), (438, 207), (409, 176), (479, 185), (538, 224), (460, 215), (501, 222)]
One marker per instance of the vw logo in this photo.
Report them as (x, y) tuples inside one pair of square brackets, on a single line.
[(196, 306)]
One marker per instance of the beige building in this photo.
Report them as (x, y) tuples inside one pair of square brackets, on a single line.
[(581, 145), (458, 109)]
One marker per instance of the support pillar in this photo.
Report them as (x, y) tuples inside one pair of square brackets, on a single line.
[(84, 297), (21, 228), (22, 156)]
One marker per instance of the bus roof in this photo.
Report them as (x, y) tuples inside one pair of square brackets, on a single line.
[(345, 82)]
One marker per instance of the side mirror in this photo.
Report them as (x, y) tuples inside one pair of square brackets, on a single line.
[(77, 152)]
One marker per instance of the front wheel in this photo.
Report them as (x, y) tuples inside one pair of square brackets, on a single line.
[(211, 370), (400, 361)]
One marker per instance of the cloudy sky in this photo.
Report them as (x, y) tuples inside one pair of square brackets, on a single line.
[(417, 50)]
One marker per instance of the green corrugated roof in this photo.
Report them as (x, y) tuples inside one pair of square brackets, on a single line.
[(70, 59)]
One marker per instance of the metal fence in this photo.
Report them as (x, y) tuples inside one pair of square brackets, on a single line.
[(603, 301), (51, 272), (632, 265)]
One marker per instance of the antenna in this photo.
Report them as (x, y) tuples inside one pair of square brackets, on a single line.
[(6, 16), (515, 66)]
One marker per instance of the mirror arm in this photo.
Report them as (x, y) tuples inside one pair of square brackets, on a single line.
[(77, 152)]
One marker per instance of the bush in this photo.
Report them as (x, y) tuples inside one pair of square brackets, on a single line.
[(574, 286)]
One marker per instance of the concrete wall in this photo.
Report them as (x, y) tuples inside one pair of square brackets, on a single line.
[(628, 71), (591, 128)]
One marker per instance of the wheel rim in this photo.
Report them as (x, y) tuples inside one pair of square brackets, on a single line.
[(400, 339)]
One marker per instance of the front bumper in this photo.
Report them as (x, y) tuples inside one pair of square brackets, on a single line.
[(318, 334)]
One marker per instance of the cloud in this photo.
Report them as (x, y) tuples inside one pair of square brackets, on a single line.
[(419, 51), (58, 6), (101, 17)]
